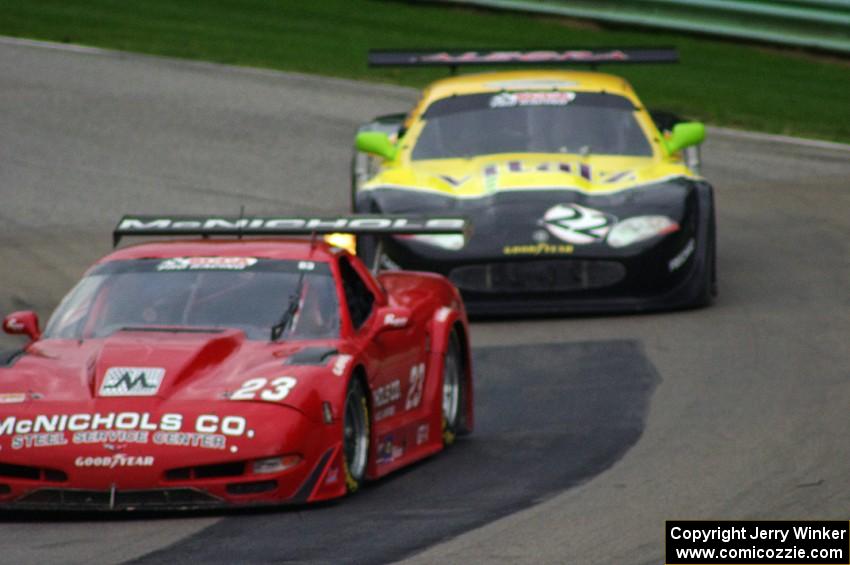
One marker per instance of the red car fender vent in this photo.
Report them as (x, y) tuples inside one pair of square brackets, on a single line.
[(254, 487), (26, 472), (306, 490), (5, 489)]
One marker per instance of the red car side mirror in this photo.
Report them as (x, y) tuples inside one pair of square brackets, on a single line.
[(22, 323)]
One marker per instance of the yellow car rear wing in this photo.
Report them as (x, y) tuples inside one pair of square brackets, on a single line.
[(457, 57)]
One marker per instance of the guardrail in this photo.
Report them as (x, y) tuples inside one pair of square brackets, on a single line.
[(818, 24)]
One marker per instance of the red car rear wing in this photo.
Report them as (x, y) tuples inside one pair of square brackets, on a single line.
[(288, 225)]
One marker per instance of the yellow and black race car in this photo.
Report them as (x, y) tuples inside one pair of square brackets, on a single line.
[(580, 201)]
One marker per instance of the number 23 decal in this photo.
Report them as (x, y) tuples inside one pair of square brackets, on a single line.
[(414, 389), (273, 391)]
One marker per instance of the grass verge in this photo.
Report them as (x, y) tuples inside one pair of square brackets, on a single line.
[(719, 82)]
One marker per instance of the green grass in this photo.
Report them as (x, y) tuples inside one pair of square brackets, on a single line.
[(719, 82)]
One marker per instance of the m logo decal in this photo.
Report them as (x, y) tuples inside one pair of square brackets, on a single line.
[(132, 381)]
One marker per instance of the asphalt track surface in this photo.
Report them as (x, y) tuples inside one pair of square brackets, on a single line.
[(592, 431)]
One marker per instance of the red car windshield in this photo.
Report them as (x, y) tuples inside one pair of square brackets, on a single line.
[(242, 293), (530, 122)]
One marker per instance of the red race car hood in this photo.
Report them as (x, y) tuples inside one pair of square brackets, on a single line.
[(127, 364), (151, 367)]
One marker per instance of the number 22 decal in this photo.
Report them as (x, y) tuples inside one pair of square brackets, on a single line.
[(414, 389), (275, 391)]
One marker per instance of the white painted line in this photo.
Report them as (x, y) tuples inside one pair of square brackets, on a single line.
[(98, 51), (54, 45)]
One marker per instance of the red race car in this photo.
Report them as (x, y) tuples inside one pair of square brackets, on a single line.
[(207, 372)]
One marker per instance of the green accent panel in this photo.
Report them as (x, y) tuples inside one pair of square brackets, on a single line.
[(818, 24), (375, 143), (685, 134)]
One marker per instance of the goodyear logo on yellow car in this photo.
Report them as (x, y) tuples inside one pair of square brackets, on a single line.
[(541, 248)]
